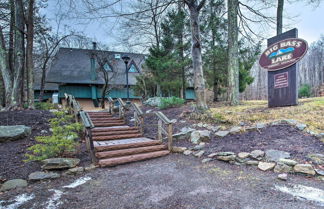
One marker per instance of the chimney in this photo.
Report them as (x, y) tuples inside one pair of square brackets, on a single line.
[(94, 45), (93, 63)]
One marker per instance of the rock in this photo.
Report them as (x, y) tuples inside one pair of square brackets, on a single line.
[(76, 170), (257, 154), (44, 132), (301, 126), (319, 172), (184, 134), (283, 176), (235, 130), (242, 124), (153, 101), (243, 155), (200, 136), (39, 175), (187, 152), (305, 169), (148, 111), (252, 162), (212, 155), (182, 121), (200, 125), (282, 168), (53, 110), (260, 125), (265, 166), (274, 155), (8, 133), (250, 128), (199, 146), (221, 133), (90, 167), (59, 163), (206, 160), (290, 121), (226, 158), (199, 153), (132, 120), (321, 178), (214, 128), (12, 184), (224, 153), (316, 158), (288, 162), (178, 149)]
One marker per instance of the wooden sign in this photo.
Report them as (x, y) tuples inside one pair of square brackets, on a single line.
[(280, 59)]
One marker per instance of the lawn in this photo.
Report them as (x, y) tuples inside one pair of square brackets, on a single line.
[(309, 111)]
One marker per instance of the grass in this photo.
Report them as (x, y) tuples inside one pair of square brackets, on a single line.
[(309, 111)]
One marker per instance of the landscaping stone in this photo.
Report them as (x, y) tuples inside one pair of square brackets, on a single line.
[(242, 124), (213, 128), (321, 178), (199, 153), (221, 133), (44, 132), (59, 163), (250, 128), (212, 155), (224, 153), (187, 152), (206, 160), (199, 146), (260, 125), (282, 168), (76, 170), (178, 149), (288, 161), (90, 167), (184, 134), (301, 126), (226, 158), (252, 162), (243, 155), (148, 111), (153, 101), (290, 121), (257, 154), (200, 136), (283, 176), (235, 130), (305, 169), (12, 184), (274, 155), (319, 172), (316, 158), (265, 166), (39, 175), (8, 133)]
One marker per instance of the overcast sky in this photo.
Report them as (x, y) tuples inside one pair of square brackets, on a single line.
[(307, 18)]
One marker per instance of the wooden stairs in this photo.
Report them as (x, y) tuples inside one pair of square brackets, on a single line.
[(113, 142)]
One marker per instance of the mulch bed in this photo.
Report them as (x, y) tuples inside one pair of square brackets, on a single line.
[(281, 137)]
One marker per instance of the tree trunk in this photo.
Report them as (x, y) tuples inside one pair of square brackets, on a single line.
[(29, 54), (199, 80), (279, 16), (233, 64), (19, 54), (181, 55), (2, 92), (11, 37)]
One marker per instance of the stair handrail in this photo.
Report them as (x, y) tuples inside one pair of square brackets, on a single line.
[(122, 108), (110, 105), (164, 119), (138, 117), (88, 125)]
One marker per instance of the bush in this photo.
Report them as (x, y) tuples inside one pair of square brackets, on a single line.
[(171, 102), (61, 142), (44, 105), (304, 91)]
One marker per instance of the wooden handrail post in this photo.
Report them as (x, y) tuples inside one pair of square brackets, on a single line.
[(170, 137), (142, 125), (160, 130)]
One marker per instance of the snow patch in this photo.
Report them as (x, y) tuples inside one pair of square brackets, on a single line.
[(18, 201), (54, 202), (78, 182), (305, 192)]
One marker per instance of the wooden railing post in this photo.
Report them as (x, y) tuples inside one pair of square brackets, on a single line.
[(160, 130), (170, 138)]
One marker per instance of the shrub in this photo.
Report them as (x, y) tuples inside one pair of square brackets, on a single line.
[(61, 142), (44, 105), (304, 91), (171, 102)]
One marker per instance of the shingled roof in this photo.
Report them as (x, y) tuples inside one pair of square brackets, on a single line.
[(73, 66)]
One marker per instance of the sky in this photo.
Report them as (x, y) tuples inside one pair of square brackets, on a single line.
[(308, 19)]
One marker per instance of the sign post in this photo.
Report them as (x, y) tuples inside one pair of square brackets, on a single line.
[(280, 59)]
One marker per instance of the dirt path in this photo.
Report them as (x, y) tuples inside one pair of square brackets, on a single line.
[(175, 181)]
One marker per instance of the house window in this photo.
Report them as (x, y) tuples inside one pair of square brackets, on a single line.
[(107, 67), (133, 69)]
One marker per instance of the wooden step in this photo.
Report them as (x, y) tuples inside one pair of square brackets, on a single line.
[(130, 151), (126, 146), (112, 132), (113, 128), (108, 124), (107, 121), (131, 158), (114, 137)]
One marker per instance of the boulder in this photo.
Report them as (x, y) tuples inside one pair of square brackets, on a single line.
[(12, 184), (316, 158), (184, 134), (243, 155), (59, 163), (319, 172), (265, 166), (76, 170), (213, 128), (153, 101), (8, 133), (257, 154), (288, 162), (221, 133), (304, 169), (200, 146), (235, 130), (200, 136), (178, 149), (282, 168), (274, 155), (283, 176), (39, 175)]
